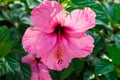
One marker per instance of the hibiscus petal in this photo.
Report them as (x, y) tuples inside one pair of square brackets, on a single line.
[(34, 76), (28, 59), (58, 57), (35, 67), (35, 71), (44, 75), (81, 47), (36, 42), (42, 66), (48, 14), (40, 72), (80, 21)]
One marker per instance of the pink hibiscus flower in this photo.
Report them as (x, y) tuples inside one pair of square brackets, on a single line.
[(58, 38), (39, 70)]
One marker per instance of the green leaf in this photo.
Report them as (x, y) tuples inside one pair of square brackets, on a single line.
[(55, 75), (14, 69), (83, 2), (5, 2), (73, 76), (18, 70), (8, 64), (24, 73), (16, 7), (24, 18), (111, 76), (6, 15), (117, 11), (3, 67), (1, 17), (103, 66), (5, 48), (70, 8), (4, 34), (66, 3), (32, 3), (80, 4), (87, 75), (99, 45), (101, 15), (118, 71), (65, 73), (114, 54), (5, 43), (77, 65), (117, 40)]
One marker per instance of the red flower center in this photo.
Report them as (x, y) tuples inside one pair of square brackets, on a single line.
[(37, 59), (59, 30)]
